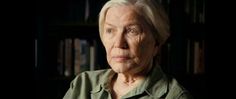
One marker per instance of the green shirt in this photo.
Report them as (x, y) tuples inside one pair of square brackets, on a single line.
[(94, 85)]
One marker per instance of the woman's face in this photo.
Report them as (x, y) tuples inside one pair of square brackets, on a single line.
[(129, 45)]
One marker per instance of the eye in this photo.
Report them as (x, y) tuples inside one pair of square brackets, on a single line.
[(109, 30), (133, 30)]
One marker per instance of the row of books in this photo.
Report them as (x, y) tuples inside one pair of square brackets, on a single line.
[(75, 56), (78, 55)]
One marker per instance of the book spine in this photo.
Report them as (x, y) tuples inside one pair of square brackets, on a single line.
[(76, 56), (68, 58)]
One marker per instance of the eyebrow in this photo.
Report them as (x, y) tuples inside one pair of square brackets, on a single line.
[(135, 24), (132, 24), (110, 24)]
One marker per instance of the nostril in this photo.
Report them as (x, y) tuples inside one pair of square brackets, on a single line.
[(125, 46), (121, 43)]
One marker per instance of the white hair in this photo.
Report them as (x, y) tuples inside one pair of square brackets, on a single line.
[(151, 12)]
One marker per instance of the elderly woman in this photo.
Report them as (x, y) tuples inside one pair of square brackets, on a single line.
[(132, 32)]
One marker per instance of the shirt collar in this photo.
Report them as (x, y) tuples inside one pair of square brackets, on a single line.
[(105, 84), (155, 85)]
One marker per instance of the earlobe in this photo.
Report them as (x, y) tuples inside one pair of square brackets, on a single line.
[(156, 49)]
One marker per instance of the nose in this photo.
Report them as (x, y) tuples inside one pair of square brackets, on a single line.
[(120, 41)]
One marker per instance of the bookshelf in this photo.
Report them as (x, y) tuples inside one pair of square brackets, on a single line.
[(183, 56), (60, 24), (58, 55)]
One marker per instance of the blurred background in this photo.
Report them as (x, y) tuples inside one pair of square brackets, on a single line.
[(67, 42)]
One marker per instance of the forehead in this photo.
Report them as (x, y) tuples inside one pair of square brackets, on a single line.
[(122, 13)]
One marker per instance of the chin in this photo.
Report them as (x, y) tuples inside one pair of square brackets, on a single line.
[(120, 68)]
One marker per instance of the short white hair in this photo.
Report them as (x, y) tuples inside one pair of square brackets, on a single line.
[(151, 12)]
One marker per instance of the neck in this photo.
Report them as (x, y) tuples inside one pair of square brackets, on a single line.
[(122, 84), (135, 75), (129, 80)]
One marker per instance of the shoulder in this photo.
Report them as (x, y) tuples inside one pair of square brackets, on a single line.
[(85, 82), (92, 77), (177, 90), (96, 75), (169, 88)]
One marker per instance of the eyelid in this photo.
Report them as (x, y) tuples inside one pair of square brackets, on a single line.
[(134, 29), (130, 29), (109, 30)]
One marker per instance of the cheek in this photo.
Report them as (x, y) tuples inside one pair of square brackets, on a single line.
[(106, 43), (108, 46), (146, 49)]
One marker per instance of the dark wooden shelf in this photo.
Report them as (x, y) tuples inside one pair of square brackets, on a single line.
[(87, 31)]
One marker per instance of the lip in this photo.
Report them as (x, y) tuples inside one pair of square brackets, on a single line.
[(120, 58)]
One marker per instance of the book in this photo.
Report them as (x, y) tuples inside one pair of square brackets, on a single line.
[(76, 56), (68, 57), (93, 48), (199, 66), (188, 57), (60, 57), (84, 55), (35, 53)]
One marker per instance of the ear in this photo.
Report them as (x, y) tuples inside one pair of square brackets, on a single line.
[(156, 49)]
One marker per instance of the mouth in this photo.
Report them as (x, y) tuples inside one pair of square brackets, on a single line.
[(120, 58)]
